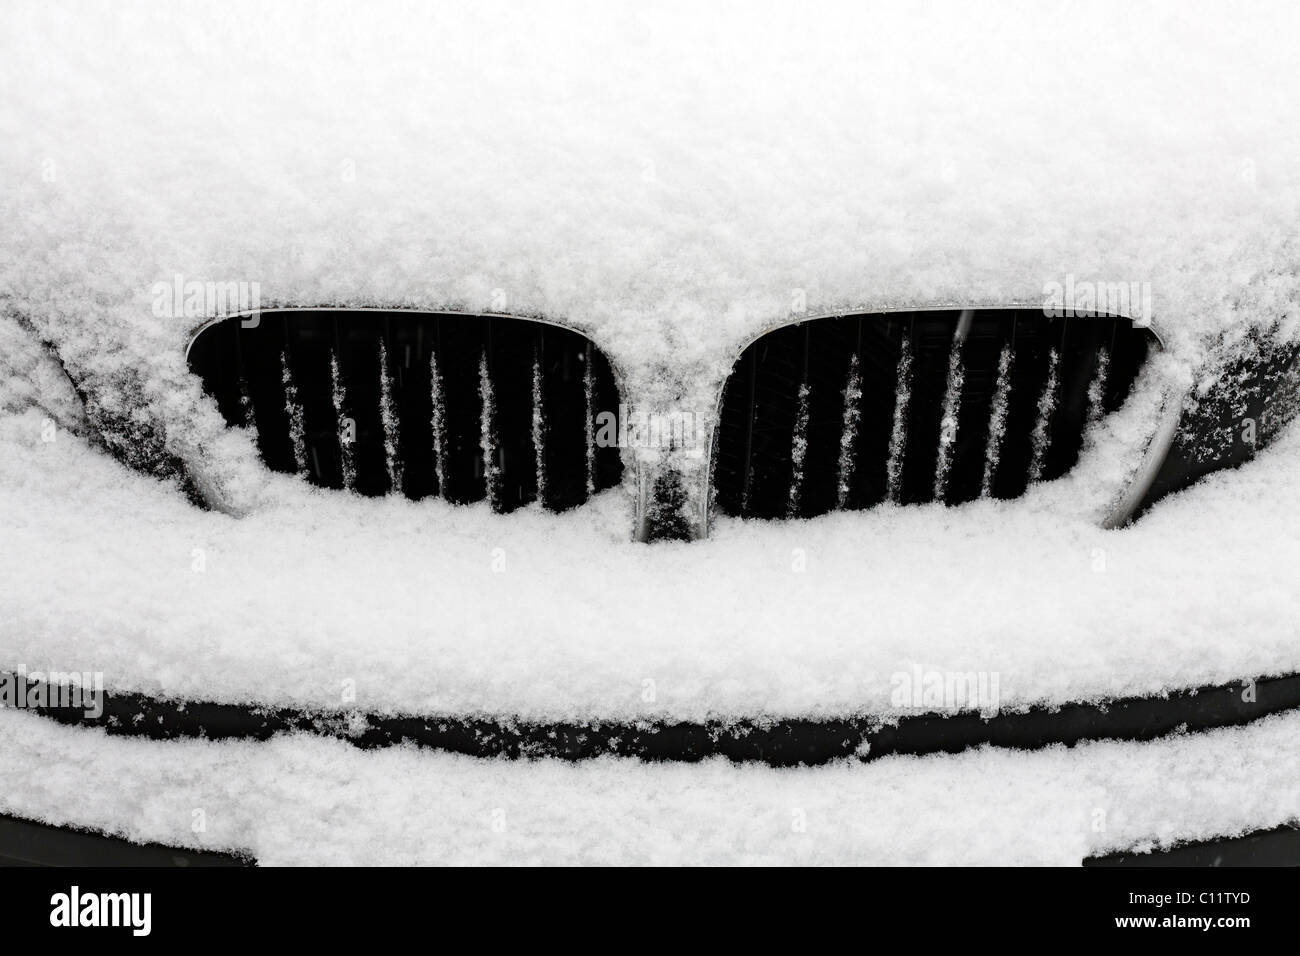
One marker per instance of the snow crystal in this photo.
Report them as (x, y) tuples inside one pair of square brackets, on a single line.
[(1097, 389), (997, 421), (341, 419), (948, 420), (589, 390), (1041, 438), (539, 427), (437, 419), (798, 448), (488, 434), (293, 410), (849, 431), (389, 421), (898, 436)]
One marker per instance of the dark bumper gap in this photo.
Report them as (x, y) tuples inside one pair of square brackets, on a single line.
[(778, 742)]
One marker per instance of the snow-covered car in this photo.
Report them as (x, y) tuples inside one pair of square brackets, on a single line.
[(638, 386)]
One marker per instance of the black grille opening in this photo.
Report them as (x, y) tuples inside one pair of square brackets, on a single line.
[(1259, 383), (465, 408), (850, 412)]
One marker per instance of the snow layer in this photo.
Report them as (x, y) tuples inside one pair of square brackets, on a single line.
[(672, 178), (305, 800), (429, 608)]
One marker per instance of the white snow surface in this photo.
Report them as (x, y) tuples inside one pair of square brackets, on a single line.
[(671, 178), (430, 608), (307, 800)]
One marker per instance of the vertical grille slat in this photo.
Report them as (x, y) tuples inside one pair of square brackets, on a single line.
[(408, 389), (981, 359), (538, 423), (346, 471), (389, 422), (951, 406), (879, 355), (900, 413), (849, 431), (996, 422), (949, 415), (1041, 437)]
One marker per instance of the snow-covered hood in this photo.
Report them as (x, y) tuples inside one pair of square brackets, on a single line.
[(666, 179)]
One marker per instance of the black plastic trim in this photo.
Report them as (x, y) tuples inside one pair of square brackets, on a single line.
[(1279, 846), (778, 742), (28, 843)]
